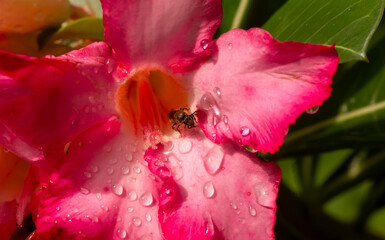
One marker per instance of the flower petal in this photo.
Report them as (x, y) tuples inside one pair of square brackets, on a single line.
[(46, 102), (159, 31), (7, 219), (255, 87), (216, 191), (35, 14), (101, 190)]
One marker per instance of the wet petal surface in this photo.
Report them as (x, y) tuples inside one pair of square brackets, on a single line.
[(255, 87), (235, 202), (159, 31)]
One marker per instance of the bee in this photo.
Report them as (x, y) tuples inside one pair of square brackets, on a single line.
[(181, 116)]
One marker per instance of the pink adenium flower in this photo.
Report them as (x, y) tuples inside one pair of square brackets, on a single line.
[(95, 123)]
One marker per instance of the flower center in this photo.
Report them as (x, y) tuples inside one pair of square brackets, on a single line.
[(146, 98)]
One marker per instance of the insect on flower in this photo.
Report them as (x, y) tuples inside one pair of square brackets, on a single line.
[(181, 116)]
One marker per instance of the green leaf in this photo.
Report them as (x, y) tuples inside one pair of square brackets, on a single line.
[(83, 28), (234, 14), (349, 24)]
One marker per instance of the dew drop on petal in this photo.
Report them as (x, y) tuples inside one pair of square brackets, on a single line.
[(94, 168), (264, 196), (117, 189), (148, 217), (87, 174), (225, 119), (208, 189), (112, 161), (132, 195), (205, 44), (130, 209), (252, 211), (245, 131), (230, 46), (209, 225), (110, 171), (213, 160), (217, 91), (110, 65), (107, 148), (125, 170), (57, 208), (146, 199), (233, 206), (137, 222), (137, 170), (122, 234), (129, 156), (185, 146), (84, 190), (312, 110), (99, 196)]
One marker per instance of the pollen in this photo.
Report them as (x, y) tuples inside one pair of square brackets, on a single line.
[(145, 99)]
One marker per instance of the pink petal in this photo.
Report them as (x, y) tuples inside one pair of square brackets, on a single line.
[(102, 190), (159, 31), (60, 97), (7, 219), (255, 87), (215, 192)]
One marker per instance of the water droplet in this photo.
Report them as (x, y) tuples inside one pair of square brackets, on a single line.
[(148, 217), (99, 196), (146, 199), (117, 189), (125, 170), (137, 222), (209, 225), (213, 160), (130, 209), (57, 208), (217, 91), (110, 65), (129, 156), (132, 195), (185, 146), (233, 206), (92, 99), (137, 170), (230, 46), (87, 174), (312, 110), (264, 196), (225, 119), (215, 120), (245, 131), (121, 233), (94, 168), (252, 211), (208, 189), (93, 218), (113, 161), (84, 190), (205, 44), (110, 171)]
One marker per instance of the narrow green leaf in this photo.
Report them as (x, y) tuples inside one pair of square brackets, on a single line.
[(83, 28), (234, 14), (349, 24)]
